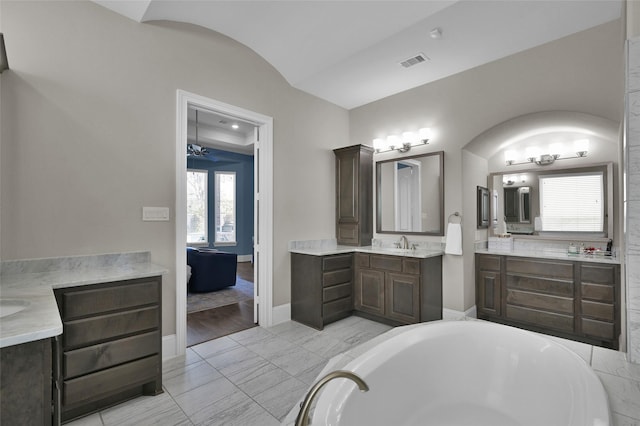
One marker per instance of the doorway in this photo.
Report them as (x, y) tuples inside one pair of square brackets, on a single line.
[(263, 225)]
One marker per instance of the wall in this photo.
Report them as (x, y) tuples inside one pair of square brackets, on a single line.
[(561, 75), (242, 165), (632, 200), (88, 134)]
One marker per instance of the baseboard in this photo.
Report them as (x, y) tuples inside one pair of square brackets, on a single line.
[(169, 346), (450, 314), (245, 258), (281, 313)]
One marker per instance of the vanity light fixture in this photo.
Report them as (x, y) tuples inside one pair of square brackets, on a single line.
[(402, 143), (532, 154)]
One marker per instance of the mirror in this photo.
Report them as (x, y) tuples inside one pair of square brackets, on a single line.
[(517, 204), (483, 207), (571, 202), (410, 195)]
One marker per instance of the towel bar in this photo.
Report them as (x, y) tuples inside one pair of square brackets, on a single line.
[(455, 214)]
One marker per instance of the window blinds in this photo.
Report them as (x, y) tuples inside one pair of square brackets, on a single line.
[(572, 203)]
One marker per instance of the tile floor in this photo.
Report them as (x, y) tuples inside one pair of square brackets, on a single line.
[(255, 377)]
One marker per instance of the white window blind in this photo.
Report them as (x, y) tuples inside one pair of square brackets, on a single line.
[(572, 203)]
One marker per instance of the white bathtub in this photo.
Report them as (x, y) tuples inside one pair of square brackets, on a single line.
[(466, 373)]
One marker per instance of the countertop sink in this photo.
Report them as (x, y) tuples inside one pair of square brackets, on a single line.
[(12, 306)]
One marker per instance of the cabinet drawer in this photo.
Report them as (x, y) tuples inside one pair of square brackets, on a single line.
[(601, 329), (599, 274), (361, 260), (540, 318), (411, 266), (388, 263), (332, 263), (541, 268), (489, 263), (105, 355), (347, 233), (126, 294), (336, 292), (334, 307), (556, 287), (103, 383), (601, 311), (92, 330), (336, 277), (598, 292), (544, 302)]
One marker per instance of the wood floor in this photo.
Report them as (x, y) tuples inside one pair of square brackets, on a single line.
[(213, 323)]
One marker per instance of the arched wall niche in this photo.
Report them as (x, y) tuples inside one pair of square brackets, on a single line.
[(543, 128)]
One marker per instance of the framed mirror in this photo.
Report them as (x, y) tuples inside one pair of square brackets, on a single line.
[(575, 202), (483, 207), (410, 195)]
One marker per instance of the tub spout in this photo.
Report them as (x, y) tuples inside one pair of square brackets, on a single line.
[(303, 415)]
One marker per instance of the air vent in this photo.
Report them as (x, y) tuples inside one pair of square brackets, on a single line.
[(414, 60)]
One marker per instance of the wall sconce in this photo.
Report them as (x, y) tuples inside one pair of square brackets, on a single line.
[(533, 155), (402, 143)]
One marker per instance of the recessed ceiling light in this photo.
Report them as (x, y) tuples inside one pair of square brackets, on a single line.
[(234, 126)]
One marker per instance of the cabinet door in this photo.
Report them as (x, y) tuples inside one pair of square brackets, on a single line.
[(369, 291), (347, 179), (402, 294), (488, 290)]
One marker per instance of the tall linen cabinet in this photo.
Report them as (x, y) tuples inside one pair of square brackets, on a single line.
[(354, 195)]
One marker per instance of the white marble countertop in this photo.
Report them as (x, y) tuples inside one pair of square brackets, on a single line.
[(40, 318), (553, 254), (323, 251)]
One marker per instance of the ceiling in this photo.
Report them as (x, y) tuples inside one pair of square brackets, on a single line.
[(348, 52), (219, 131)]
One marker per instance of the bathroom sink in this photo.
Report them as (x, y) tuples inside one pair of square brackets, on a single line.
[(12, 306)]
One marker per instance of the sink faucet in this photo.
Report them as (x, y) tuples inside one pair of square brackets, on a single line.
[(305, 406), (404, 242)]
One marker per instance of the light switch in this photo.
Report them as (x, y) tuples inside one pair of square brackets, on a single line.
[(155, 214)]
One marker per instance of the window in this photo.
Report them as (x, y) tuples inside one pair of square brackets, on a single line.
[(197, 199), (572, 203), (225, 208)]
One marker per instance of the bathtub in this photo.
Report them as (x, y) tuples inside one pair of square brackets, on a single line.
[(466, 373)]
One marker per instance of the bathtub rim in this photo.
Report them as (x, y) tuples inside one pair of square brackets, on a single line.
[(354, 361)]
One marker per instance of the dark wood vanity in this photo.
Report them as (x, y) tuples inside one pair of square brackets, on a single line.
[(110, 349), (578, 300), (395, 290)]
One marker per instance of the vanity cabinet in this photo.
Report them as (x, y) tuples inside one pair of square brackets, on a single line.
[(25, 381), (572, 299), (321, 288), (354, 195), (110, 349), (398, 290)]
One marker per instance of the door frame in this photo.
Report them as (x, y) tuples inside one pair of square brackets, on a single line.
[(263, 213)]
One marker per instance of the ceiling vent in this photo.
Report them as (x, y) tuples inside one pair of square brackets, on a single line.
[(414, 60)]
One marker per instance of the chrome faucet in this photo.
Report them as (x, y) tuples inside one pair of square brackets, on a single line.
[(404, 242), (305, 406)]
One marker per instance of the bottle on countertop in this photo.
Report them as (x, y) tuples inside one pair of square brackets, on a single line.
[(609, 244)]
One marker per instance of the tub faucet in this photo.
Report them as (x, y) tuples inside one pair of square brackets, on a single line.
[(305, 406), (404, 242)]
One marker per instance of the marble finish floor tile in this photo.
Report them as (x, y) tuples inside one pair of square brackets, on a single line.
[(157, 410), (255, 377)]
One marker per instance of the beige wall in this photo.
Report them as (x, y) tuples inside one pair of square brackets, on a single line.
[(88, 134), (582, 72)]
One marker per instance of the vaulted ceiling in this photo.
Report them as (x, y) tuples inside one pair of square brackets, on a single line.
[(348, 52)]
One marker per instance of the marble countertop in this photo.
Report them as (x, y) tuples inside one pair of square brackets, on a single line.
[(338, 249), (543, 253), (40, 318)]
